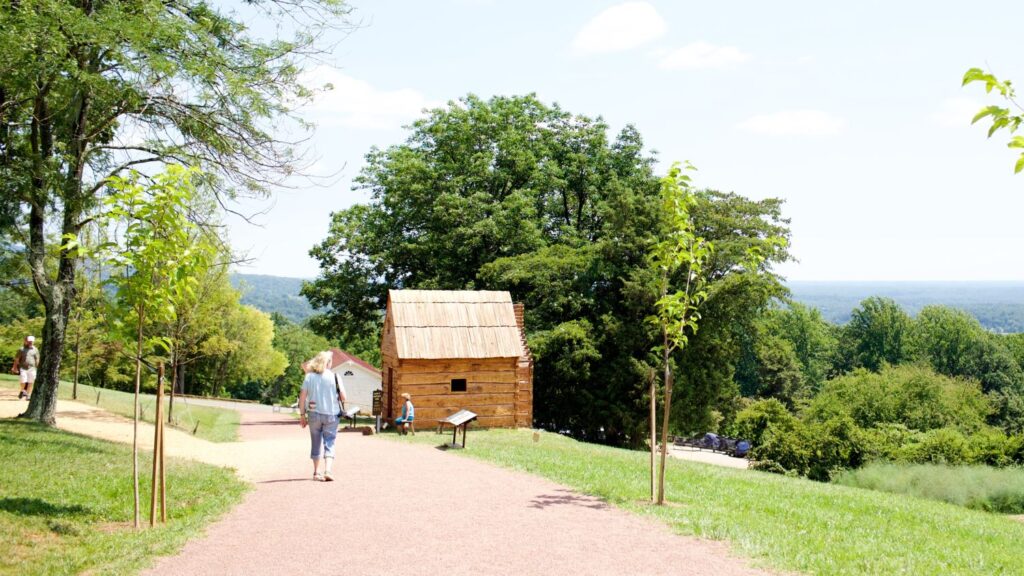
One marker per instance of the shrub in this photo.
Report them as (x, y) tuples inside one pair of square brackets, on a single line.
[(883, 442), (914, 396), (837, 446), (816, 450), (978, 487), (942, 446), (1015, 449), (784, 449), (991, 447), (753, 421)]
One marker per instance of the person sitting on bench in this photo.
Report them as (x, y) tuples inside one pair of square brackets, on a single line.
[(408, 414)]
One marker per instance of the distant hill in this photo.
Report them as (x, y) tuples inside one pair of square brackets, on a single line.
[(999, 306), (274, 294)]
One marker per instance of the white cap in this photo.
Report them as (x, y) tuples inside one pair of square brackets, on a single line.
[(31, 338)]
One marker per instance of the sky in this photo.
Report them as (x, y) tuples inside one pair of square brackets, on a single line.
[(851, 112)]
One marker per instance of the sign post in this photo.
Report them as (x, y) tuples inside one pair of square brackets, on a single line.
[(378, 405)]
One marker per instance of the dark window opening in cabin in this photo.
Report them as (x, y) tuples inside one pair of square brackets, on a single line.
[(458, 384), (349, 373)]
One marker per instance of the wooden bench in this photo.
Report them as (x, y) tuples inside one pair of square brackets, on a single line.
[(461, 418)]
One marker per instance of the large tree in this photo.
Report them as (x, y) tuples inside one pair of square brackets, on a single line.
[(89, 88), (508, 193), (878, 334)]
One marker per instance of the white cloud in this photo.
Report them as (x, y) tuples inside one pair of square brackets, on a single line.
[(702, 55), (358, 104), (794, 123), (956, 112), (619, 28)]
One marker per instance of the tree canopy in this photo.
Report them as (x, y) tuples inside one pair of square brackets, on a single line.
[(89, 88)]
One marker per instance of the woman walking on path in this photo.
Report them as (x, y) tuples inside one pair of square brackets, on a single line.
[(319, 405)]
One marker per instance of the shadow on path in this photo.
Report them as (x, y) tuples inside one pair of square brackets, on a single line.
[(270, 423), (568, 498)]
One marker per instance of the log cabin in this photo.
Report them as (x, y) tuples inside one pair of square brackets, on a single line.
[(452, 350)]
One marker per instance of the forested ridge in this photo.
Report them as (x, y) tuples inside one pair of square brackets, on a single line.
[(998, 306), (274, 295)]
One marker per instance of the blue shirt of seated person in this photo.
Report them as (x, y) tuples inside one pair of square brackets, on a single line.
[(408, 411)]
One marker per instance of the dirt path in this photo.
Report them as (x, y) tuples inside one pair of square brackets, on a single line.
[(405, 509)]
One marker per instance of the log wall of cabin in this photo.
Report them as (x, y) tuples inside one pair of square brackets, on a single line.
[(388, 366), (524, 375), (491, 386)]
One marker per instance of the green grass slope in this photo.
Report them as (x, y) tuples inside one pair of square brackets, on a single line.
[(66, 503)]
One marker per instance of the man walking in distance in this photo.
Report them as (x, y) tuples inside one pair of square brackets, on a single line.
[(25, 362)]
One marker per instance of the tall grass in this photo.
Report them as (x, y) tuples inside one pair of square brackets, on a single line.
[(66, 503), (787, 523), (208, 422), (978, 487)]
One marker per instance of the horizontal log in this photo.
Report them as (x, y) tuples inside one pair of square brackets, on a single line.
[(418, 390), (457, 365), (437, 413), (406, 376), (463, 400)]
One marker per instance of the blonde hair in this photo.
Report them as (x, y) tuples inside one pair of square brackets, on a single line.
[(321, 362)]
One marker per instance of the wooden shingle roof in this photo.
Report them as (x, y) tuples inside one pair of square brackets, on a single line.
[(435, 324)]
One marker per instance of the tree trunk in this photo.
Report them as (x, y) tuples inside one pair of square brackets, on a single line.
[(174, 384), (664, 422), (78, 356), (181, 379), (654, 424), (135, 423), (157, 441), (57, 294), (43, 404), (222, 370)]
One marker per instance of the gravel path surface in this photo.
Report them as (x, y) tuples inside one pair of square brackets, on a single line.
[(708, 457), (403, 509), (411, 509)]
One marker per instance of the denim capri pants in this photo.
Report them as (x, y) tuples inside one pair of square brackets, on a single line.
[(323, 429)]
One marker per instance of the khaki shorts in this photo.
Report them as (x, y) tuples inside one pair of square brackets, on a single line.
[(28, 376)]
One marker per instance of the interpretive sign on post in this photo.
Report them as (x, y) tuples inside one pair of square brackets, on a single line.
[(378, 402)]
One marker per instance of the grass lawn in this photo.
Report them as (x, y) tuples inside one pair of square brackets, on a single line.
[(784, 523), (215, 424), (66, 503)]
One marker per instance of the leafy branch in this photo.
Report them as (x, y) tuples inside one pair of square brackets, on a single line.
[(1002, 118)]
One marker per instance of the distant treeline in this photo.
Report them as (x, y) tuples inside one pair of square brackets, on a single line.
[(998, 306)]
